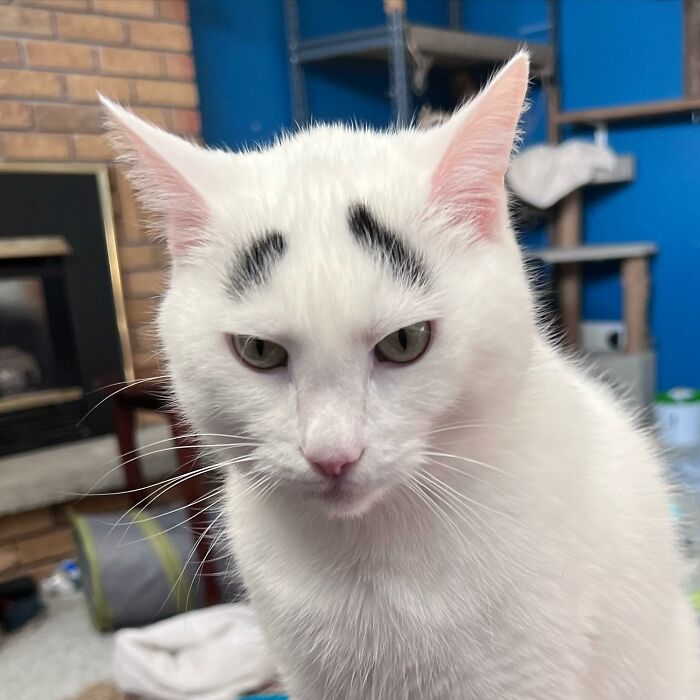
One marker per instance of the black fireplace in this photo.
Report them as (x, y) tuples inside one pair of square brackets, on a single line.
[(60, 305)]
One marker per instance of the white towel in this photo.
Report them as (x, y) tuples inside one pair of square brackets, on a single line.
[(541, 175), (216, 653)]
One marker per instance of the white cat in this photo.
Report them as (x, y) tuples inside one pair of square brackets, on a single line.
[(432, 502)]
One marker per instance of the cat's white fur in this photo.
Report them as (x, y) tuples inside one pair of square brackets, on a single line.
[(506, 533)]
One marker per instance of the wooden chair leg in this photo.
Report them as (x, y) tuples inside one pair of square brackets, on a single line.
[(193, 490), (124, 427)]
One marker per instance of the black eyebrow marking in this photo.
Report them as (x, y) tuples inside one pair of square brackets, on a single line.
[(254, 264), (404, 263)]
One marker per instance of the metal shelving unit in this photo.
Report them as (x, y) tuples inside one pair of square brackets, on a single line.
[(402, 45)]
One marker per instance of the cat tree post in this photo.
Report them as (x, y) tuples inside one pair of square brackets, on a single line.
[(635, 287), (567, 234)]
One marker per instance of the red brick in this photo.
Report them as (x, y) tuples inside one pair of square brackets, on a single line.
[(84, 88), (30, 84), (58, 4), (52, 54), (128, 207), (174, 10), (144, 338), (15, 115), (9, 53), (56, 543), (26, 21), (22, 524), (132, 62), (146, 284), (141, 257), (139, 311), (158, 35), (103, 30), (186, 122), (146, 364), (126, 8), (68, 118), (166, 93), (155, 115), (179, 66), (34, 146), (91, 147), (9, 563)]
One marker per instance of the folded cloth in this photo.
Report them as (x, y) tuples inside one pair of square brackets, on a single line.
[(542, 175), (217, 653)]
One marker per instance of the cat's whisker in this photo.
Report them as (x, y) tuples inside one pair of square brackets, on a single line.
[(466, 473), (203, 498), (460, 496), (120, 463), (112, 394), (169, 484), (189, 559), (198, 574), (448, 455), (464, 516), (460, 426), (179, 524), (127, 382), (269, 489), (263, 479), (202, 452), (415, 486)]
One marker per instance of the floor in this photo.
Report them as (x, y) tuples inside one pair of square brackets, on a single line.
[(56, 656)]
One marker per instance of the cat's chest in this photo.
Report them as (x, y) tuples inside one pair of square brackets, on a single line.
[(364, 637)]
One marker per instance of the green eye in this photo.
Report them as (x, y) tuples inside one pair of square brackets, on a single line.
[(404, 345), (259, 353)]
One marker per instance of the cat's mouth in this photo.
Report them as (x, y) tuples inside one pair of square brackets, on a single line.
[(346, 500)]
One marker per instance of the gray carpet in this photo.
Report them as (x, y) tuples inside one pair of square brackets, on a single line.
[(56, 656)]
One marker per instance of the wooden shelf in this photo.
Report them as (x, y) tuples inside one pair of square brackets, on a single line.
[(37, 399), (633, 112), (443, 47), (592, 253), (33, 247)]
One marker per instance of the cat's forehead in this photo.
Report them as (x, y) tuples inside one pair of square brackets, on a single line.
[(325, 161), (328, 216), (343, 268), (308, 184)]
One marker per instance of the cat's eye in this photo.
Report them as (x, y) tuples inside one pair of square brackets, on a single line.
[(404, 345), (258, 352)]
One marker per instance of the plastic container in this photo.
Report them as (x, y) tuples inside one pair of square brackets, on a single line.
[(63, 582)]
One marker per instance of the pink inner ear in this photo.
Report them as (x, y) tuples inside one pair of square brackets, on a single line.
[(155, 163), (469, 180), (184, 213)]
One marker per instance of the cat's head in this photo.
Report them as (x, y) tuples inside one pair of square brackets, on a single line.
[(339, 295)]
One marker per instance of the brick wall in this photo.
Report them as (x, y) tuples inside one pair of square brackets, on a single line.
[(54, 56)]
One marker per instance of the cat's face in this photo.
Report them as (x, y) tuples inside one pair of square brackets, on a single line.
[(338, 296)]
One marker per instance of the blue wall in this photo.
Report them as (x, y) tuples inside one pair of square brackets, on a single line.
[(241, 58), (240, 52), (623, 51), (611, 52)]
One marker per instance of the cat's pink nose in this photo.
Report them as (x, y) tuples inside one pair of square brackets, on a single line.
[(336, 466)]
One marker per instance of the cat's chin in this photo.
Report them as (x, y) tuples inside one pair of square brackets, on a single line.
[(348, 503)]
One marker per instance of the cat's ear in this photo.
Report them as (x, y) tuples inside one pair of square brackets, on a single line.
[(163, 169), (476, 145)]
